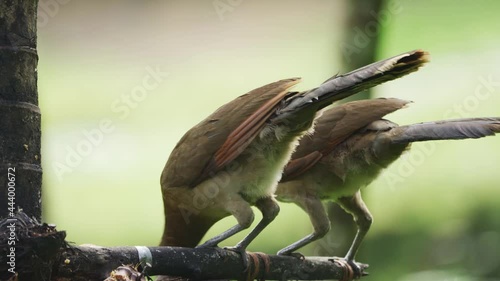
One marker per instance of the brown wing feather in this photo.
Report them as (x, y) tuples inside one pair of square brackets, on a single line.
[(336, 125), (217, 140), (358, 115), (298, 166), (239, 139)]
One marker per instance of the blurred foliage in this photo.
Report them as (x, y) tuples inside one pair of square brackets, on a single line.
[(439, 220)]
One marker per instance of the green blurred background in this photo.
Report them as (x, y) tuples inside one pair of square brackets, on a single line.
[(436, 210)]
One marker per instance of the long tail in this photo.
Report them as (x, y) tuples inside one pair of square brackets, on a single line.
[(469, 128), (341, 86)]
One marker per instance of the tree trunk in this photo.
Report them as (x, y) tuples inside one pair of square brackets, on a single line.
[(359, 48), (20, 169)]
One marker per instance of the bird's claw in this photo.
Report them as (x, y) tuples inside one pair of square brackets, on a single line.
[(357, 268), (352, 269), (242, 251)]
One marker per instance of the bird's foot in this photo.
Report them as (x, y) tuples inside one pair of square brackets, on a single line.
[(292, 254), (358, 269), (242, 251)]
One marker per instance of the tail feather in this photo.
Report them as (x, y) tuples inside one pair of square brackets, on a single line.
[(469, 128), (342, 86)]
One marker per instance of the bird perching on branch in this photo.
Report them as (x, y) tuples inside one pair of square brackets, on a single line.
[(234, 158), (350, 146)]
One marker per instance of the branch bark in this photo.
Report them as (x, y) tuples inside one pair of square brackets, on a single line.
[(28, 249), (42, 254), (96, 263)]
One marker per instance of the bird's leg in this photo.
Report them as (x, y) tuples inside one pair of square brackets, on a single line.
[(357, 208), (213, 242), (270, 209), (319, 219), (243, 213)]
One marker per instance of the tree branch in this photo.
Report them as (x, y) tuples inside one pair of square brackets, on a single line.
[(41, 251), (95, 263)]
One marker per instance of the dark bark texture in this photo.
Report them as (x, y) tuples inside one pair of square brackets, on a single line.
[(96, 263), (19, 113), (41, 253), (32, 251)]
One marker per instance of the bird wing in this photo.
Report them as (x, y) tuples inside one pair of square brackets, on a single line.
[(217, 140), (333, 127), (297, 166)]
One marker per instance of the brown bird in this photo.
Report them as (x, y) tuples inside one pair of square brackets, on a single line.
[(350, 146), (234, 158)]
